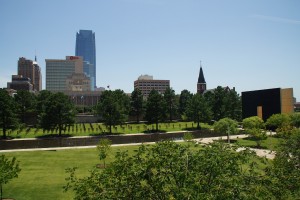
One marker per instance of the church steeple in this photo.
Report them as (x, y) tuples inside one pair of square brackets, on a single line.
[(201, 85)]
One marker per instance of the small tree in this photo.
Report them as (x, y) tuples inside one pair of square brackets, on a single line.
[(137, 104), (103, 148), (169, 97), (9, 169), (226, 125), (253, 123), (295, 119), (278, 121)]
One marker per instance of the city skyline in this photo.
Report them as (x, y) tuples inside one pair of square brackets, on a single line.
[(247, 45)]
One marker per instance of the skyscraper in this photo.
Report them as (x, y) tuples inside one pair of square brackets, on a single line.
[(30, 69), (86, 47)]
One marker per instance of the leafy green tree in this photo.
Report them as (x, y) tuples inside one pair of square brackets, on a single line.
[(295, 119), (218, 103), (284, 172), (278, 121), (169, 97), (198, 110), (168, 170), (9, 169), (155, 108), (137, 104), (113, 107), (58, 113), (26, 102), (8, 112), (254, 122), (184, 98), (104, 148), (226, 125), (233, 105)]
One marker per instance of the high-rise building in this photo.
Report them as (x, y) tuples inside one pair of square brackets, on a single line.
[(201, 84), (86, 47), (58, 71), (18, 82), (146, 83), (30, 69)]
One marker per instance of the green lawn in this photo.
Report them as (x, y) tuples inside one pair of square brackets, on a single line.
[(270, 143), (43, 172), (86, 129)]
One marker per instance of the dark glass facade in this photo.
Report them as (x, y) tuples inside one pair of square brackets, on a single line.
[(86, 47)]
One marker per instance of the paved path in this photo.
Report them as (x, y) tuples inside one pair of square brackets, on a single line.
[(260, 152)]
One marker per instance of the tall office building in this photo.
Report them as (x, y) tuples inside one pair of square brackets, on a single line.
[(30, 69), (58, 71), (146, 83), (86, 47)]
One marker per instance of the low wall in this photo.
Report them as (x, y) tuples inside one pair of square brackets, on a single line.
[(93, 140)]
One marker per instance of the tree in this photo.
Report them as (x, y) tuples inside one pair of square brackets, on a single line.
[(9, 169), (155, 108), (169, 97), (254, 122), (284, 172), (278, 121), (168, 170), (295, 119), (8, 112), (233, 105), (103, 148), (26, 102), (198, 110), (226, 125), (113, 107), (184, 98), (58, 113), (137, 104)]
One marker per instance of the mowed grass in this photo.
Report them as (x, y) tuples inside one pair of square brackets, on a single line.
[(91, 129), (43, 173), (270, 143)]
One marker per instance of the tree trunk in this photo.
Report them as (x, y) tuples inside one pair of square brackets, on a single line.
[(110, 129), (156, 126)]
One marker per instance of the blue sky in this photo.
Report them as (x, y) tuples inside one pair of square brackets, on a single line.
[(249, 45)]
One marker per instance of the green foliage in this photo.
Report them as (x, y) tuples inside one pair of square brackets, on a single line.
[(184, 98), (285, 171), (58, 113), (254, 122), (155, 108), (104, 148), (8, 112), (188, 137), (172, 171), (226, 125), (198, 110), (224, 103), (258, 135), (136, 103), (295, 119), (171, 106), (9, 169), (278, 121), (26, 102), (113, 107)]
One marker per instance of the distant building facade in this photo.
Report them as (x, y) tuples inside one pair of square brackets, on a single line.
[(201, 84), (146, 83), (86, 48), (30, 69), (59, 70), (265, 103), (18, 82)]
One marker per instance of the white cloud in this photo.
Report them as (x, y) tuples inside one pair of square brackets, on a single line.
[(276, 19)]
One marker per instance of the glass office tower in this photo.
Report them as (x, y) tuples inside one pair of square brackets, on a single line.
[(86, 47)]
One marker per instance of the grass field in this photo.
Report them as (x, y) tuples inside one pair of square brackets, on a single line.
[(88, 129), (270, 143), (43, 172)]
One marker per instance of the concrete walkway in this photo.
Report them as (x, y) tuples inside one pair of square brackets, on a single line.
[(260, 152)]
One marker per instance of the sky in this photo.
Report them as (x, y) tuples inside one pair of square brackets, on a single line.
[(249, 45)]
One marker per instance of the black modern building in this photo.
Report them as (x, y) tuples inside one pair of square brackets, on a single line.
[(265, 103)]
